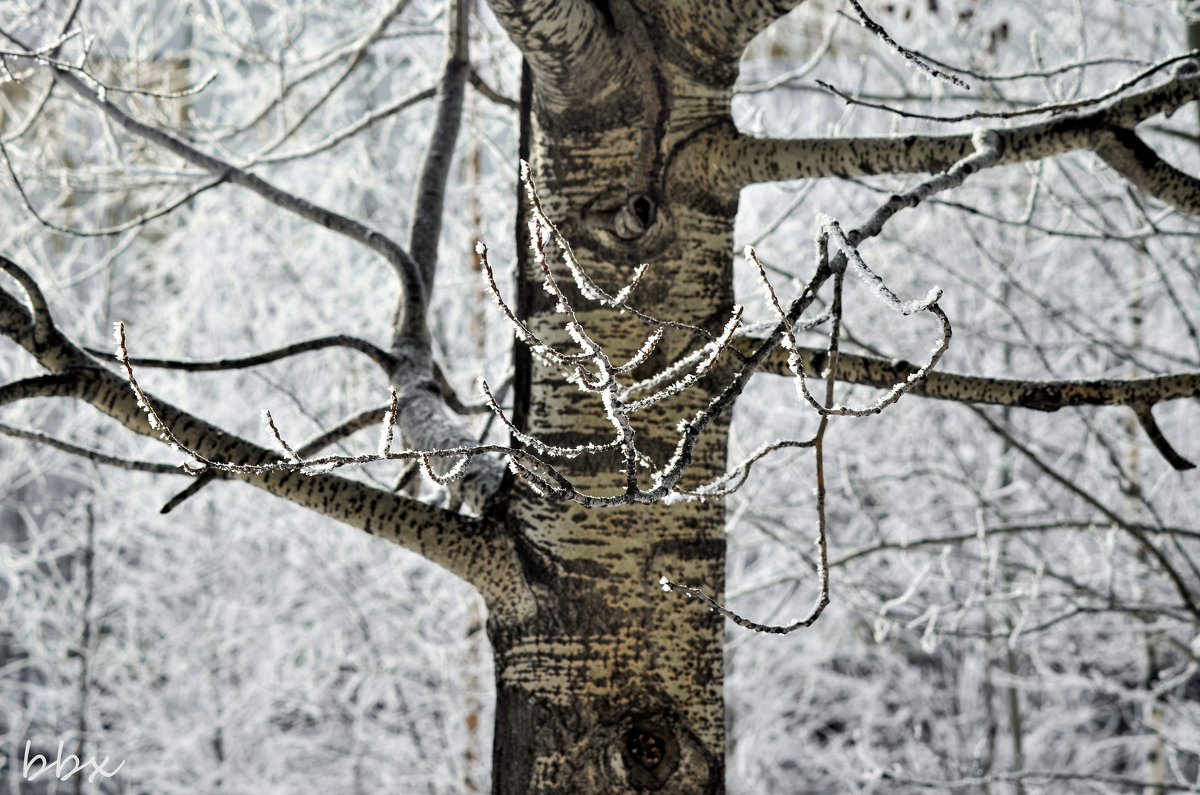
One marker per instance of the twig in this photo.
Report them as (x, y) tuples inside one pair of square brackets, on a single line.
[(908, 54), (92, 455)]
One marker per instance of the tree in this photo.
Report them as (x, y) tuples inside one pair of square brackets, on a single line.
[(624, 377)]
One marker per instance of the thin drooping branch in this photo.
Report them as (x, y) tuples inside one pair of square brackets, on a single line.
[(92, 455), (1040, 109), (481, 85), (108, 231), (1145, 418)]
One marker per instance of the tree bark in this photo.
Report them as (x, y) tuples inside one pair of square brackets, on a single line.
[(605, 683)]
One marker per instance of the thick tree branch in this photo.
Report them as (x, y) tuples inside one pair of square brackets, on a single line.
[(464, 546), (567, 45), (1020, 393), (1130, 157), (356, 423), (458, 543), (736, 160), (1139, 394)]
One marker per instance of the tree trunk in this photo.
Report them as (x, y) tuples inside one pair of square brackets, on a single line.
[(604, 682)]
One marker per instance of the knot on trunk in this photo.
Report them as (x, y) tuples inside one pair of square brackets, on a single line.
[(650, 753)]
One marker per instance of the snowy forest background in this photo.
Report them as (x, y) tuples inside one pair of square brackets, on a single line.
[(992, 611)]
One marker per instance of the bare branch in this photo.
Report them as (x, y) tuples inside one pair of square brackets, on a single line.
[(91, 455), (377, 354), (431, 185), (372, 35), (480, 85), (1020, 393), (1189, 599), (107, 231), (742, 160), (395, 255), (1145, 418), (1035, 110), (351, 130)]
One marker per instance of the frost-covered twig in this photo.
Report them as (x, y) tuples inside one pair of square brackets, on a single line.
[(908, 54)]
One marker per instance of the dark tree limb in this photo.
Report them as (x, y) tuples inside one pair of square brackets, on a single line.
[(377, 354), (92, 455)]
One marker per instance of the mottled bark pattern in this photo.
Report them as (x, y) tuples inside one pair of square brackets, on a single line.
[(607, 684)]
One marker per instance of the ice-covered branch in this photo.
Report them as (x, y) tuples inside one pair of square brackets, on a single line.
[(910, 56)]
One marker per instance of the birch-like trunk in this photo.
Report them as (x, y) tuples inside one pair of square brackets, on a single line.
[(605, 683)]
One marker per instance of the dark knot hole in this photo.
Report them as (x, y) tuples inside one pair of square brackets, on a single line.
[(644, 208)]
